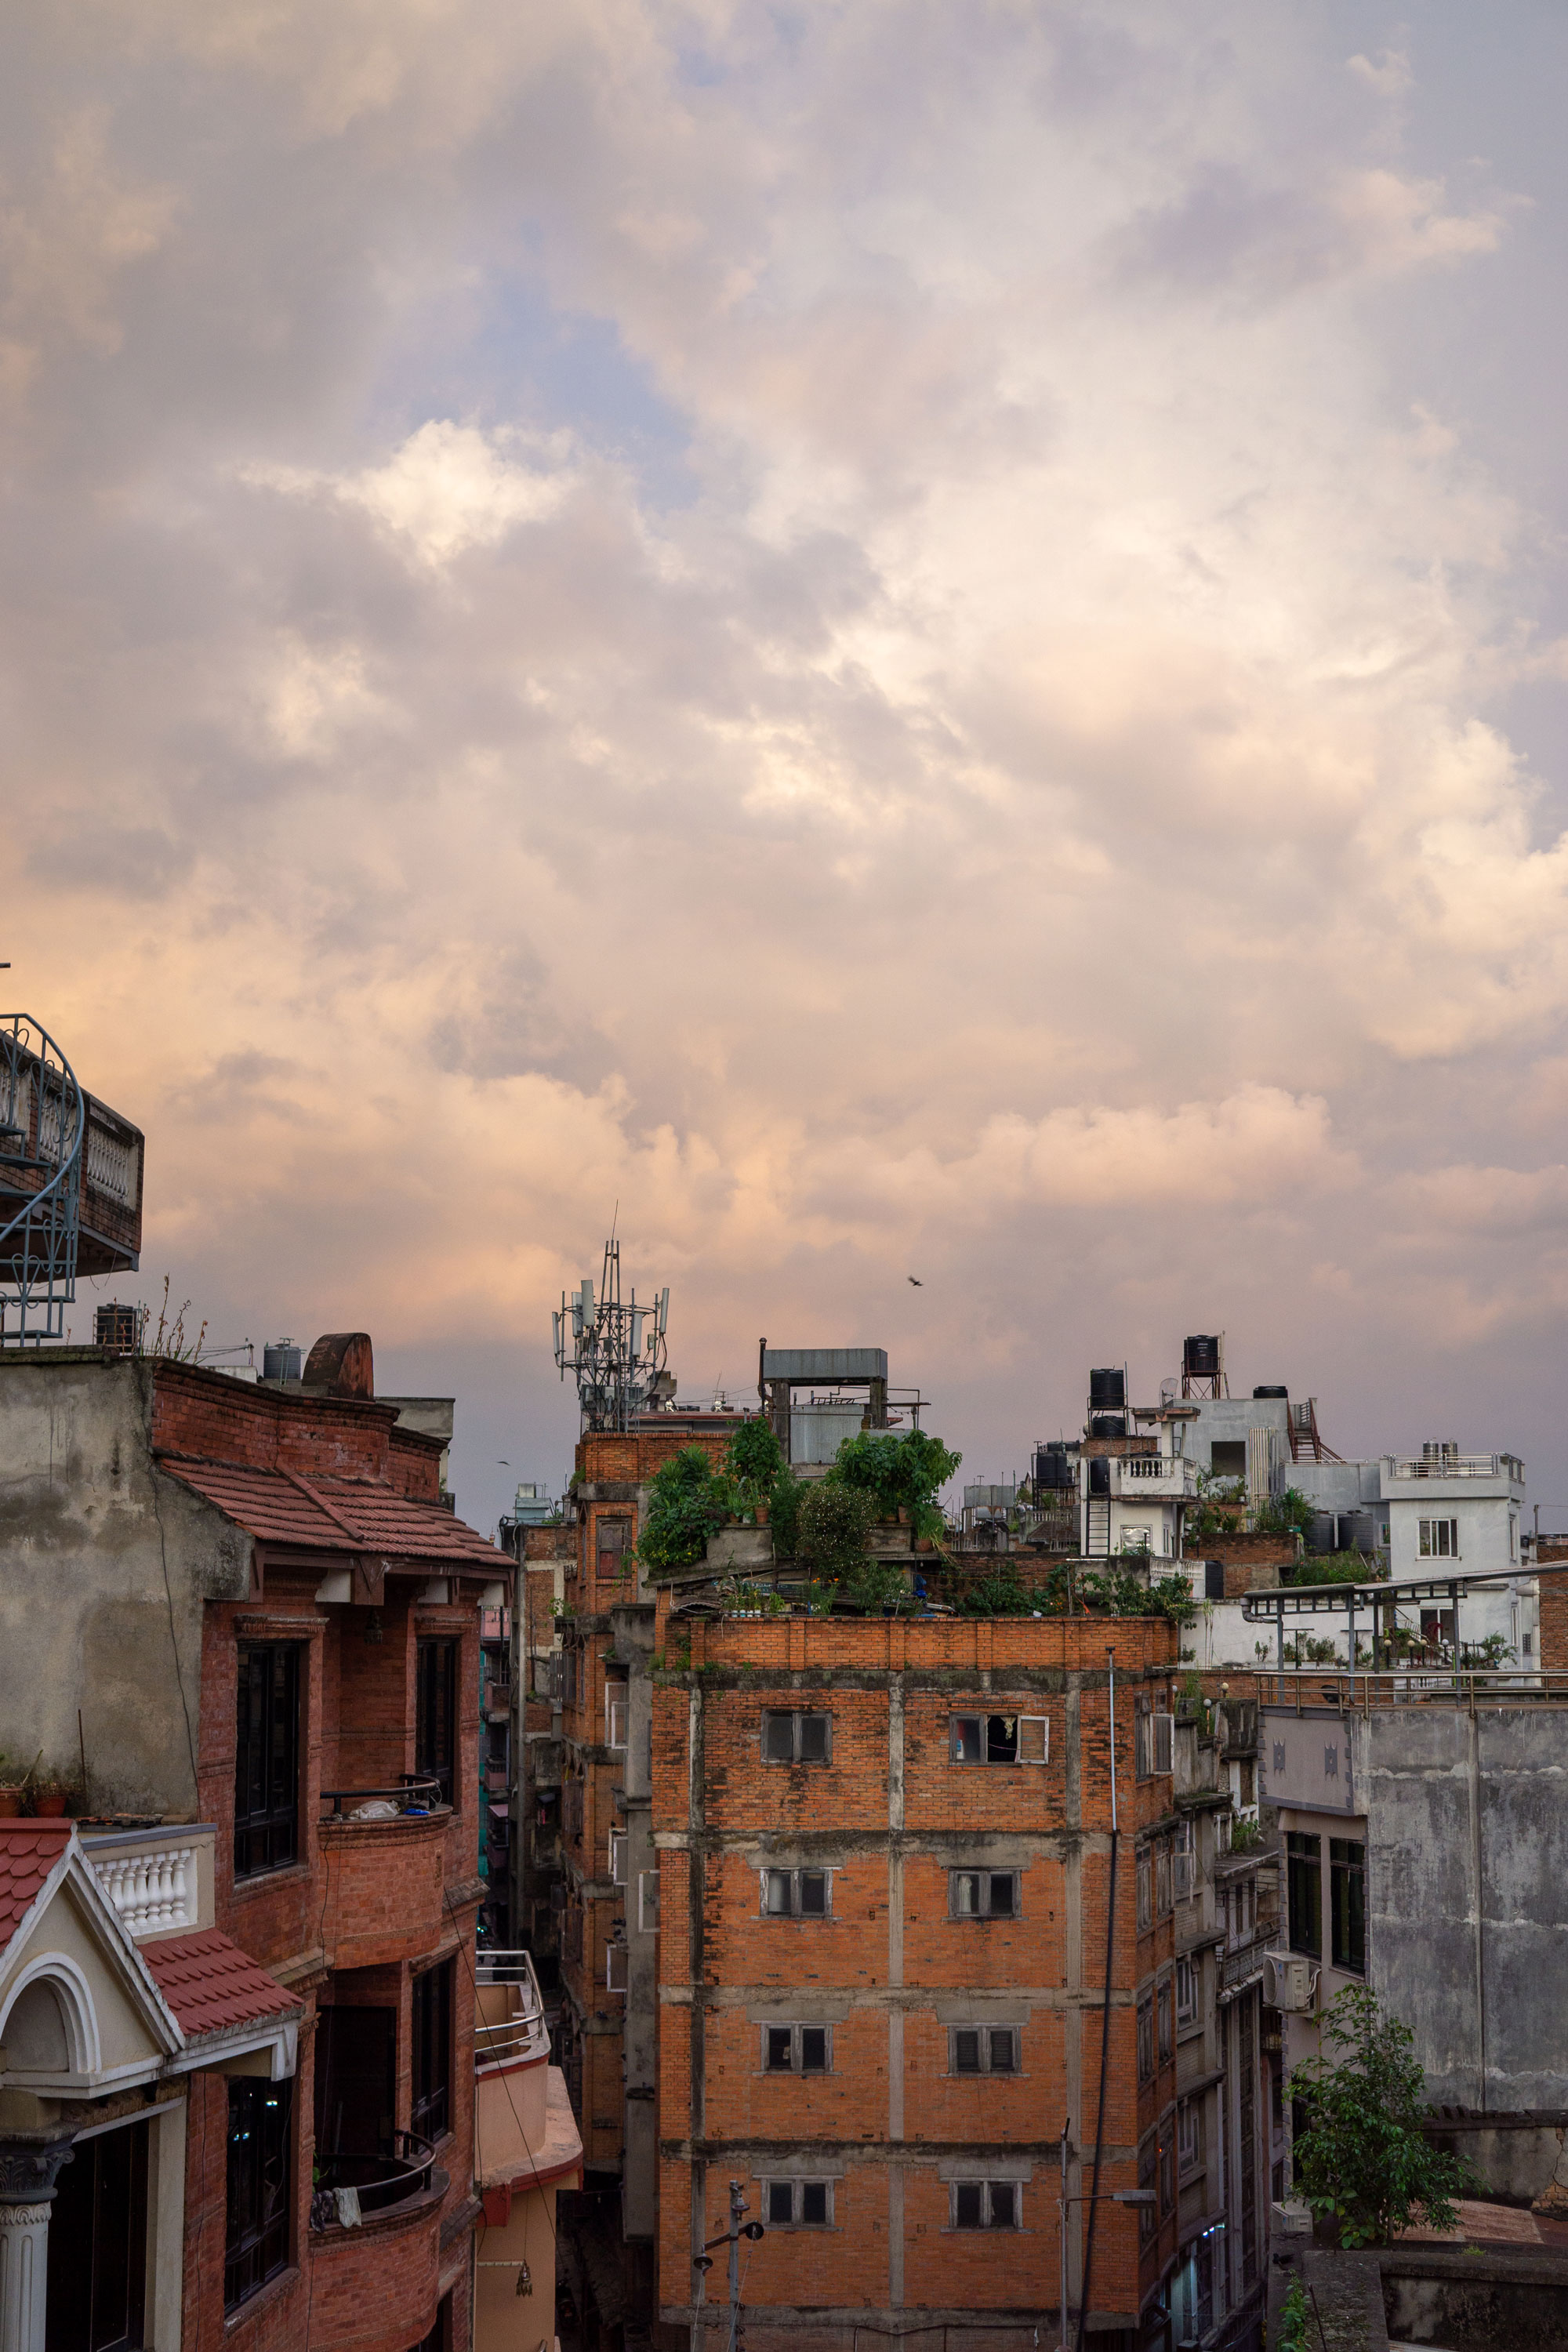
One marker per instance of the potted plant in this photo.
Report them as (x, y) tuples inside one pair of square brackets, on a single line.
[(10, 1792), (49, 1799)]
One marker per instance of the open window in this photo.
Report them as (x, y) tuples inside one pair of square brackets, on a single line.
[(986, 2205), (983, 1893), (797, 2049), (798, 2204), (797, 1893), (1000, 1738)]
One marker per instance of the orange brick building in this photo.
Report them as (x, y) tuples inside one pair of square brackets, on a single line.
[(270, 1623), (884, 1853)]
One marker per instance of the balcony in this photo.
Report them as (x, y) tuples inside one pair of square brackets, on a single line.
[(1462, 1465), (397, 2238), (159, 1881), (509, 2029), (1244, 1965), (1160, 1477), (383, 1852)]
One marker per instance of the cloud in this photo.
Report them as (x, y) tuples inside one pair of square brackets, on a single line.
[(862, 633)]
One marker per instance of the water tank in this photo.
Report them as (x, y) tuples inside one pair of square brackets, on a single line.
[(1270, 1393), (1053, 1470), (1098, 1473), (1200, 1355), (280, 1360), (1108, 1424), (1108, 1389)]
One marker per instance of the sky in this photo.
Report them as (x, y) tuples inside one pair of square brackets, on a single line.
[(878, 639)]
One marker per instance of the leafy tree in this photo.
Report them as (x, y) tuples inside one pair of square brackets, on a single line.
[(785, 1499), (833, 1522), (1364, 2160), (687, 1501), (899, 1471), (754, 1459)]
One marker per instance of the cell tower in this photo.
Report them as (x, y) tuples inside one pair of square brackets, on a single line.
[(615, 1350), (43, 1122)]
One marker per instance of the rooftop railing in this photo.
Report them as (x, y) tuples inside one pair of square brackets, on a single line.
[(414, 1795), (1463, 1465), (1303, 1687)]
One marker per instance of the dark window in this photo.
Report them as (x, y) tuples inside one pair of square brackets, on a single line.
[(356, 2078), (1166, 2009), (799, 2204), (430, 2113), (1228, 1457), (258, 2243), (983, 2050), (1145, 2039), (985, 2205), (1304, 1874), (999, 1738), (797, 2049), (97, 2232), (814, 2050), (983, 1893), (1347, 1904), (781, 2048), (435, 1719), (613, 1549), (267, 1758), (796, 1739), (796, 1894)]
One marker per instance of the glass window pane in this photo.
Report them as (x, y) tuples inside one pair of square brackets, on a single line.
[(813, 1894), (781, 2051), (814, 2201), (969, 2204), (814, 1738), (1002, 2050), (966, 2051), (777, 1891), (966, 1893), (1003, 2204), (1002, 1902), (781, 2202), (814, 2049), (778, 1738)]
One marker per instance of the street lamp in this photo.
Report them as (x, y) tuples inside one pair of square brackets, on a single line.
[(704, 2262), (1088, 2197)]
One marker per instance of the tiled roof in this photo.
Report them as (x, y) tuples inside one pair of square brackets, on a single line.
[(336, 1515), (210, 1983), (29, 1852)]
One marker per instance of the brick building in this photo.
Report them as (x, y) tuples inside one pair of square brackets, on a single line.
[(269, 1624), (884, 1853)]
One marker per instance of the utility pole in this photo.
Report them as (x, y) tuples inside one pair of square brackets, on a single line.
[(704, 2262)]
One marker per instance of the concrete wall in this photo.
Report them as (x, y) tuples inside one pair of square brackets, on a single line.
[(1455, 1803), (104, 1568)]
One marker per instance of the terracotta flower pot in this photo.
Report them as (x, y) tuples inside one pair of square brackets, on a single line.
[(10, 1803), (50, 1807)]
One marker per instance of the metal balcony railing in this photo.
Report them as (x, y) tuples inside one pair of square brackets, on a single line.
[(413, 1794), (1246, 1962), (1463, 1465), (1303, 1687), (504, 2035)]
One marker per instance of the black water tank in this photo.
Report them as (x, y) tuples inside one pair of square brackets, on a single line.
[(1108, 1389), (1052, 1467), (1108, 1424), (1263, 1392), (1099, 1474), (1200, 1354)]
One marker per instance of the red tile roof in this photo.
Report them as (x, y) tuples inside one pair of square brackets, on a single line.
[(29, 1852), (337, 1514), (210, 1983)]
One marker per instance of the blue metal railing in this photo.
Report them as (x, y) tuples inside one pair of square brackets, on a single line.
[(43, 1122)]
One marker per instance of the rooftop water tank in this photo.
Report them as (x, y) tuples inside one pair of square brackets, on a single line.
[(280, 1360)]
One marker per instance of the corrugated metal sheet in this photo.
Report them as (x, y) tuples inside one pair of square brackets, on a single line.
[(824, 1364)]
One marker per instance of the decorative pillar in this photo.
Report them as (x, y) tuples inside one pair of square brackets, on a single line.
[(28, 2171)]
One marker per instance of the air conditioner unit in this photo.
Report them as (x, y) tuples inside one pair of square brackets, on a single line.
[(1295, 1981)]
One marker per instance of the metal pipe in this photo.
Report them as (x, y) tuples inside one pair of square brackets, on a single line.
[(1105, 2025)]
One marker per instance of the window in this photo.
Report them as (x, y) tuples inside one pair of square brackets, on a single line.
[(1186, 1992), (1190, 2136), (618, 1857), (797, 1893), (1347, 1905), (1249, 1791), (1304, 1878), (1228, 1457), (1145, 2041), (1166, 2009), (794, 1738), (1162, 1876), (616, 1711), (617, 1968), (983, 1893), (1167, 2176), (1145, 1877), (1164, 1742), (256, 2246), (430, 2113), (1141, 1764), (797, 2049), (267, 1758), (101, 2211), (1439, 1539), (982, 2049), (986, 2205), (798, 2204), (435, 1712), (1148, 2178), (647, 1902), (1000, 1738), (613, 1549)]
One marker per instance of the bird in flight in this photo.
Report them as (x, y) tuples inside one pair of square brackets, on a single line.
[(501, 1462), (916, 1280)]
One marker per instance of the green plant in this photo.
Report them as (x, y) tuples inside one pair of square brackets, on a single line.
[(1293, 2320), (899, 1472), (1167, 1596), (834, 1523), (1333, 1568), (1290, 1514), (687, 1501), (1002, 1593), (1487, 1655), (873, 1583), (1220, 1504), (754, 1459), (783, 1512), (1365, 2161), (1246, 1833)]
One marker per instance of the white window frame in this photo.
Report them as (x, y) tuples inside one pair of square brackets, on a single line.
[(618, 1857), (1187, 2001), (1031, 1731), (794, 2187), (985, 1910), (616, 1712), (614, 1953), (1429, 1539), (795, 1717), (985, 2050), (647, 1902), (795, 2030), (1189, 2137), (795, 1877), (986, 2189), (1163, 1743)]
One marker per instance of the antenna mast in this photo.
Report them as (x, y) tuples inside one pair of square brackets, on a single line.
[(615, 1350)]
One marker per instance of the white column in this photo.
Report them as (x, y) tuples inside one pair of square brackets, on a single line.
[(24, 2276)]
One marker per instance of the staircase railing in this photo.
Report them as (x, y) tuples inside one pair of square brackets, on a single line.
[(43, 1124)]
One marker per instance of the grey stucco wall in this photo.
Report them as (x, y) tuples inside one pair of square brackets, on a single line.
[(1468, 1895), (105, 1564)]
